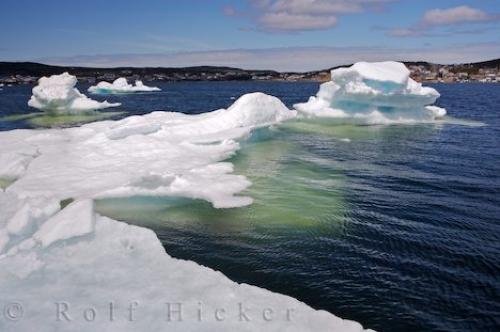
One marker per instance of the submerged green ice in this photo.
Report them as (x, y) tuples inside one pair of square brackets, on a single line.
[(290, 187), (49, 120)]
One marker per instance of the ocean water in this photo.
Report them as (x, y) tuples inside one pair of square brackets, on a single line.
[(397, 227)]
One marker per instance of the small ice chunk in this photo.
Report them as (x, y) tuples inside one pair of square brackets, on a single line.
[(21, 220), (13, 164), (438, 112), (57, 93), (74, 220), (33, 211), (120, 85)]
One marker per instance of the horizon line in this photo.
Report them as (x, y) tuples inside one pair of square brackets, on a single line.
[(237, 68)]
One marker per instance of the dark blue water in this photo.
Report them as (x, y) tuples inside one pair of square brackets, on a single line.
[(185, 97), (404, 227)]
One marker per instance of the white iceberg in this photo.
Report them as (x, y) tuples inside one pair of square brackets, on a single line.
[(73, 269), (373, 93), (57, 93), (120, 85)]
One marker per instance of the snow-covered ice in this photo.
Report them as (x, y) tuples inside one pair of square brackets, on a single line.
[(181, 154), (373, 93), (57, 93), (120, 85), (68, 266), (111, 276)]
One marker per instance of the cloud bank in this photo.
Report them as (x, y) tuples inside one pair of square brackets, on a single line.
[(435, 18), (301, 15), (288, 59)]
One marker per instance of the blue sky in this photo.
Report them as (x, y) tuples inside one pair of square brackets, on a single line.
[(275, 34)]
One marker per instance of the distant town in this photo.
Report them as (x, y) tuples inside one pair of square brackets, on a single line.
[(12, 73), (487, 72)]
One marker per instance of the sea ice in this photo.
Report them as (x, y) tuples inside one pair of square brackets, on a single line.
[(57, 93), (83, 267), (112, 158), (120, 85), (117, 277), (70, 269), (373, 93)]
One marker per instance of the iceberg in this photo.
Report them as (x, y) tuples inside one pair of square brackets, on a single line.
[(63, 266), (373, 93), (120, 85), (58, 94)]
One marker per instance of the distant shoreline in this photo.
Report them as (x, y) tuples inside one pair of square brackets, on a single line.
[(30, 72)]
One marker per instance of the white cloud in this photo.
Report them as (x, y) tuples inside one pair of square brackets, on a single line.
[(435, 18), (289, 59), (317, 7), (302, 15), (456, 15), (296, 22)]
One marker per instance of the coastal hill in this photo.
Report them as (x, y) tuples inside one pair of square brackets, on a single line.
[(29, 72)]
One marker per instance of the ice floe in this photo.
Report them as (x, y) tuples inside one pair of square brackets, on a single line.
[(84, 272), (120, 85), (58, 93), (118, 157), (70, 268), (373, 93)]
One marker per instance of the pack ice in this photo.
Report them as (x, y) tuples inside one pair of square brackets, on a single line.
[(57, 93), (373, 93), (120, 85), (71, 269)]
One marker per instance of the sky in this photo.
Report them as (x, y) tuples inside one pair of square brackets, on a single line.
[(291, 35)]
